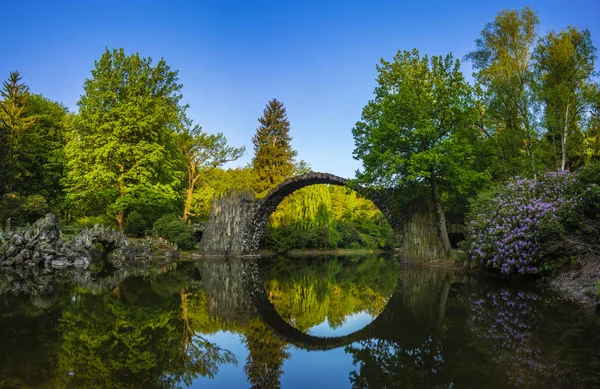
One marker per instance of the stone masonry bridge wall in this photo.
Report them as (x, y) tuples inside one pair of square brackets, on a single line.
[(237, 221)]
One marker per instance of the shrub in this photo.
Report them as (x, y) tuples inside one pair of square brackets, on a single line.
[(103, 220), (135, 225), (176, 231), (588, 184), (508, 226), (34, 207), (22, 210), (10, 208)]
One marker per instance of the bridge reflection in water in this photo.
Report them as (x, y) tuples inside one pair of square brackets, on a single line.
[(192, 322), (414, 311)]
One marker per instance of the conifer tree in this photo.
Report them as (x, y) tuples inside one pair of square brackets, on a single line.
[(273, 160), (14, 126)]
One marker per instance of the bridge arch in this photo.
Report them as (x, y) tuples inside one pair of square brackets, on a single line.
[(414, 312), (383, 326), (266, 206)]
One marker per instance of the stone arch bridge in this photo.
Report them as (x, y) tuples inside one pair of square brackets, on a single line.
[(238, 221)]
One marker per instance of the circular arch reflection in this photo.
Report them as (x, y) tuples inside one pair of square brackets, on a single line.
[(414, 311)]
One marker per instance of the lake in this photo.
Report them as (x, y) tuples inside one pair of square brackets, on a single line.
[(318, 322)]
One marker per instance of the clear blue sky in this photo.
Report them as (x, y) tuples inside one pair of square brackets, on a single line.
[(317, 57)]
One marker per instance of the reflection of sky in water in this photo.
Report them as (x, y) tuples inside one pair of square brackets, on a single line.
[(352, 323), (230, 375), (304, 369)]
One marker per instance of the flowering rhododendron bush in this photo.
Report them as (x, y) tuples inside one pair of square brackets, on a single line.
[(507, 226)]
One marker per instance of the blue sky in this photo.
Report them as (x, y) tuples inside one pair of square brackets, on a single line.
[(317, 57)]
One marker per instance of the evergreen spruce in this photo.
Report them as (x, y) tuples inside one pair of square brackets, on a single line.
[(14, 132), (273, 160)]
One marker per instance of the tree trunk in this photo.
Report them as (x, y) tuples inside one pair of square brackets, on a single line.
[(441, 217), (563, 142), (121, 214), (121, 221), (189, 193)]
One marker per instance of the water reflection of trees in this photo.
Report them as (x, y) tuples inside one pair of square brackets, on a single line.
[(144, 333), (267, 353), (494, 337), (387, 364), (152, 331), (306, 292)]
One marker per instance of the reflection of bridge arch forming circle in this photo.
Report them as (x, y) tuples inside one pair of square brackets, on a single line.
[(263, 209), (408, 318)]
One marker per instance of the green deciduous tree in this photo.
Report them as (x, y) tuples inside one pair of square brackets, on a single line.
[(123, 154), (504, 73), (418, 129), (565, 67), (273, 159), (202, 153), (49, 137), (592, 136)]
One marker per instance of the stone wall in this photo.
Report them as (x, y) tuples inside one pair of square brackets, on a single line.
[(418, 231), (225, 232), (225, 286)]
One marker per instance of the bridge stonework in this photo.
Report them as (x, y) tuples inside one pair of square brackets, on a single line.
[(237, 221)]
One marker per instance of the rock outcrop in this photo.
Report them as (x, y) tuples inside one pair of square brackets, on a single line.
[(41, 244)]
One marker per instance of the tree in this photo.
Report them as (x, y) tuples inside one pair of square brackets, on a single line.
[(123, 155), (14, 132), (565, 67), (592, 136), (202, 153), (504, 73), (418, 130), (48, 139), (273, 160), (267, 354)]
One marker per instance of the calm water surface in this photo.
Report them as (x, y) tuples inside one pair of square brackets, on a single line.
[(324, 322)]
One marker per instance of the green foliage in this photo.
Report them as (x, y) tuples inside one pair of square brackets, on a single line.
[(217, 183), (273, 159), (34, 207), (418, 134), (506, 84), (565, 68), (267, 353), (123, 138), (88, 221), (419, 123), (22, 210), (308, 291), (327, 217), (588, 184), (176, 231), (10, 208), (15, 124), (202, 154), (135, 224)]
